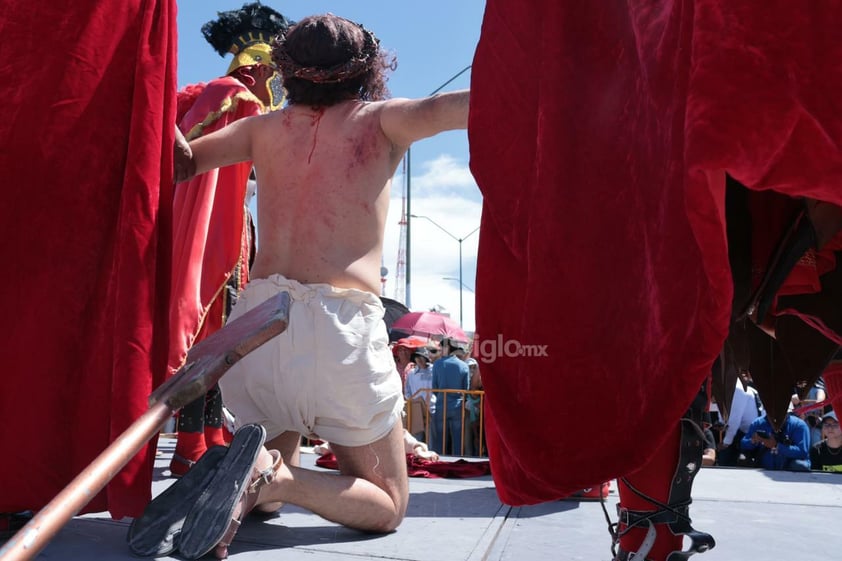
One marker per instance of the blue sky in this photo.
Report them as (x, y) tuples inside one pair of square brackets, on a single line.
[(433, 41)]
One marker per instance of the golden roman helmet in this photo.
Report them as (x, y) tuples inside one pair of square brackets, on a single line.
[(247, 33), (249, 49)]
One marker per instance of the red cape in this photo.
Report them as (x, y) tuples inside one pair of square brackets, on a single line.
[(210, 237), (600, 134), (86, 168)]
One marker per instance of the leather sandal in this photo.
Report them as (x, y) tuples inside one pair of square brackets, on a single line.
[(248, 502), (156, 531), (209, 518)]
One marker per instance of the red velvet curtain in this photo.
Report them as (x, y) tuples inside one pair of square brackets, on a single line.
[(600, 134), (86, 159)]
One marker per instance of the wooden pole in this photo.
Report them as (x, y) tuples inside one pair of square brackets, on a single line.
[(206, 363)]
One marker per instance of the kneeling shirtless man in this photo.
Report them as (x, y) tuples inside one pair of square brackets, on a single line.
[(325, 164)]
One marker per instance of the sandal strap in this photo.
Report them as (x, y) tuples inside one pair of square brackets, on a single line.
[(262, 478), (182, 460), (232, 530)]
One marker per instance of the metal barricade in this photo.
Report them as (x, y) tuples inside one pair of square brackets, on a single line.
[(439, 429)]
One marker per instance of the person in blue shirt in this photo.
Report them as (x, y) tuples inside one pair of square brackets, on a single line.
[(450, 373), (788, 448)]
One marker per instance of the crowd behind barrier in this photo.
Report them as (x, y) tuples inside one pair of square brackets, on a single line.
[(437, 431), (808, 439)]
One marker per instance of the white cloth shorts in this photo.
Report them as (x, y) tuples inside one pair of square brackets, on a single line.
[(330, 375)]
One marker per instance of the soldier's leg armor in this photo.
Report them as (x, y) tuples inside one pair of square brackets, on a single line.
[(655, 500)]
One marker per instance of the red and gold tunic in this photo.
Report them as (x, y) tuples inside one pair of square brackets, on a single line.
[(211, 235)]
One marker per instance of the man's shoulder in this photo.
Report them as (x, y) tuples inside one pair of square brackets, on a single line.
[(456, 362), (798, 421)]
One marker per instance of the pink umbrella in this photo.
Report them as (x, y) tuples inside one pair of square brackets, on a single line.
[(431, 324)]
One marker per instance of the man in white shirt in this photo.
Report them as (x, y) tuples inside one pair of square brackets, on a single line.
[(745, 408), (418, 380)]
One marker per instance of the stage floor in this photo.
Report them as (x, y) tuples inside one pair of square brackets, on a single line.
[(753, 515)]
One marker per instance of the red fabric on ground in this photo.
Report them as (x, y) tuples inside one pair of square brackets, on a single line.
[(600, 134), (416, 467), (86, 165)]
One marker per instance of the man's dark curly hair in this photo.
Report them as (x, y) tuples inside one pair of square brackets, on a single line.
[(327, 59)]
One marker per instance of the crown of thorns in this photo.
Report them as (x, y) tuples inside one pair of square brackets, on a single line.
[(353, 67)]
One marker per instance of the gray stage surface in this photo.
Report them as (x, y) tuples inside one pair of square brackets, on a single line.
[(754, 515)]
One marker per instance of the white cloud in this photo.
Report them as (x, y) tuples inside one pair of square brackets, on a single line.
[(447, 195), (444, 172)]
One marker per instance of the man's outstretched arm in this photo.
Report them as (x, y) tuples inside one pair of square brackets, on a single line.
[(406, 120), (229, 145)]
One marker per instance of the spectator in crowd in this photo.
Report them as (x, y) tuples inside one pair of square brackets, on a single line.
[(745, 408), (827, 454), (709, 451), (402, 351), (747, 380), (450, 373), (817, 394), (418, 393), (474, 405), (786, 449), (814, 422), (434, 349)]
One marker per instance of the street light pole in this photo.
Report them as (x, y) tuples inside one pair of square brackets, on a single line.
[(460, 282), (408, 159), (460, 240), (465, 286)]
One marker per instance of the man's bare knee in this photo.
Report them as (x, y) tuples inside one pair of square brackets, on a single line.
[(388, 526), (382, 464)]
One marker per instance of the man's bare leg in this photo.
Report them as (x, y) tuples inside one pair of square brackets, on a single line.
[(370, 494), (289, 445)]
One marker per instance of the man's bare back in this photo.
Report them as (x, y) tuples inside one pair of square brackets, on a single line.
[(324, 176)]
